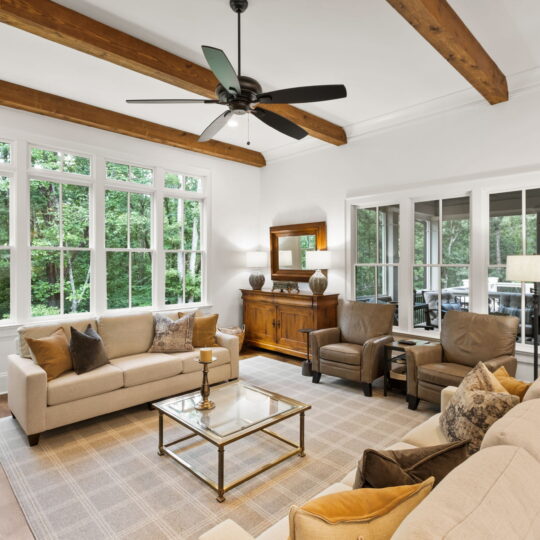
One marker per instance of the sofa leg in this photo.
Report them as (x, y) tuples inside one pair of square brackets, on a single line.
[(33, 440), (367, 388), (13, 416), (316, 377), (413, 402), (150, 406)]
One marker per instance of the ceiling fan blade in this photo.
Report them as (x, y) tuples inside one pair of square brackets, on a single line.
[(222, 69), (304, 94), (172, 101), (215, 126), (281, 124)]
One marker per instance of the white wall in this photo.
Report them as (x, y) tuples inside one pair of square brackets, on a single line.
[(234, 197), (466, 144)]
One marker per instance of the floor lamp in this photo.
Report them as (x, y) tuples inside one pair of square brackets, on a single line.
[(526, 268)]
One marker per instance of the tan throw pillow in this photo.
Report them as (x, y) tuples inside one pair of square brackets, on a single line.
[(173, 336), (52, 353), (479, 401), (204, 330), (358, 513), (512, 385)]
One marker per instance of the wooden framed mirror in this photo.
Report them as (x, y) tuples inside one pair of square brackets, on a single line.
[(288, 245)]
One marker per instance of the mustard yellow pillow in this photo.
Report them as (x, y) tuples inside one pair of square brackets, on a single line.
[(367, 513), (204, 330), (511, 385), (52, 353)]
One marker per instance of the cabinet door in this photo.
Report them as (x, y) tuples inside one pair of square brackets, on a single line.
[(260, 321), (290, 319)]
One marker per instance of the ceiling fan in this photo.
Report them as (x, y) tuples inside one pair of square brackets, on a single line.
[(241, 94)]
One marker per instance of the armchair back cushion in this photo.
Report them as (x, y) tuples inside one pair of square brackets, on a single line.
[(360, 321), (469, 338)]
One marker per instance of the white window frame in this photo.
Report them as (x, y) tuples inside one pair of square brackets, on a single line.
[(62, 152)]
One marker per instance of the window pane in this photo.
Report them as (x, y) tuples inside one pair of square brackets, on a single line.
[(141, 279), (76, 164), (173, 180), (117, 171), (192, 225), (140, 220), (426, 291), (502, 294), (455, 289), (117, 280), (387, 283), (193, 277), (366, 235), (44, 213), (532, 221), (365, 283), (141, 175), (174, 275), (4, 211), (116, 215), (426, 232), (76, 281), (46, 159), (193, 184), (45, 283), (4, 284), (389, 234), (172, 223), (504, 226), (455, 230), (75, 216), (5, 152)]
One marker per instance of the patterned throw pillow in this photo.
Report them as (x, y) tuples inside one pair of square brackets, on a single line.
[(173, 336), (479, 401)]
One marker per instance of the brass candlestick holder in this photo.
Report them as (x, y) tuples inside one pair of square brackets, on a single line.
[(205, 404)]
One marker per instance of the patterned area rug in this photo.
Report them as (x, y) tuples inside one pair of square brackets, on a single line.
[(102, 478)]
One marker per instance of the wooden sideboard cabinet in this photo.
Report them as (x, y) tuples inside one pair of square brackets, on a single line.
[(273, 320)]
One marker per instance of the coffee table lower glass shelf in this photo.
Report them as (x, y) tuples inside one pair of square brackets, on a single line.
[(240, 411)]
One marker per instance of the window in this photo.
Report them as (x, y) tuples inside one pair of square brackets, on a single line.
[(179, 181), (5, 255), (129, 173), (5, 152), (128, 233), (59, 242), (377, 254), (53, 160)]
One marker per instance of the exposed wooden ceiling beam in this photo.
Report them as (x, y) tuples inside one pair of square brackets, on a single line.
[(28, 99), (62, 25), (439, 24)]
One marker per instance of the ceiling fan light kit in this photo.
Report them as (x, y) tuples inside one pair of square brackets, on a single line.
[(241, 95)]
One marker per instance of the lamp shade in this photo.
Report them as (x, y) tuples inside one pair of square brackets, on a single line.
[(523, 268), (256, 259), (317, 260), (285, 258)]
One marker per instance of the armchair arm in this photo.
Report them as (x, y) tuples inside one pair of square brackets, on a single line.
[(417, 356), (27, 393), (232, 343), (509, 362), (320, 338), (372, 366), (226, 530)]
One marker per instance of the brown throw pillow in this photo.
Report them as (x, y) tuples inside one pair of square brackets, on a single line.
[(204, 330), (173, 336), (386, 468), (87, 351), (52, 353), (512, 385), (479, 401)]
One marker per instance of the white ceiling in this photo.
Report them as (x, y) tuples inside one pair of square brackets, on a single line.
[(363, 44)]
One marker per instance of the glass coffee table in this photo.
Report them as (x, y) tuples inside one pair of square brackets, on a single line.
[(240, 411)]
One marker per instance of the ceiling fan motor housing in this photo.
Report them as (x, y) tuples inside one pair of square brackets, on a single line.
[(239, 6), (240, 104)]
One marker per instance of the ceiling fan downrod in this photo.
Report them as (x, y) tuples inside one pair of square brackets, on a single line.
[(239, 6)]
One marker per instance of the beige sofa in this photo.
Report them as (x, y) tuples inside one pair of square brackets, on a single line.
[(495, 494), (134, 376)]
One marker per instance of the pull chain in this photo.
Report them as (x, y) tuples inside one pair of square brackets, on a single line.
[(248, 141)]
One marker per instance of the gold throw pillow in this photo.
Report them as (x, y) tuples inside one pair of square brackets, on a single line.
[(52, 353), (204, 330), (512, 385)]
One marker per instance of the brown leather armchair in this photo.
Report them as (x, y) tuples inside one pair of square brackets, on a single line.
[(355, 350), (466, 339)]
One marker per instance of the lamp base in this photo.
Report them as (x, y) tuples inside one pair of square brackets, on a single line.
[(256, 280), (318, 282)]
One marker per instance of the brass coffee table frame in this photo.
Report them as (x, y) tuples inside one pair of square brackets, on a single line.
[(221, 442)]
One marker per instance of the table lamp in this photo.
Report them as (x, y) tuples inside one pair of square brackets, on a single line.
[(256, 259), (526, 268), (318, 260)]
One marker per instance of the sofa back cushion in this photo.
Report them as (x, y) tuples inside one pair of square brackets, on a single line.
[(124, 335), (469, 338), (45, 330), (360, 321)]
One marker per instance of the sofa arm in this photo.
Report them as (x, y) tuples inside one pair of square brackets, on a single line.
[(226, 530), (27, 393), (446, 396), (372, 366), (417, 356), (509, 362), (232, 343), (320, 338)]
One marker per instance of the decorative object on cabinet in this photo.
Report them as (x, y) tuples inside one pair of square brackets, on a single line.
[(298, 240), (290, 287), (256, 259), (273, 320), (317, 260)]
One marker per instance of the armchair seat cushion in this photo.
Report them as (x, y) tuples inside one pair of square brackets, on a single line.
[(443, 373), (346, 353)]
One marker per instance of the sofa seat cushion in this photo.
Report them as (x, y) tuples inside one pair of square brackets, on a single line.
[(71, 387), (147, 367), (443, 373), (190, 360), (347, 353), (428, 433), (494, 494)]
